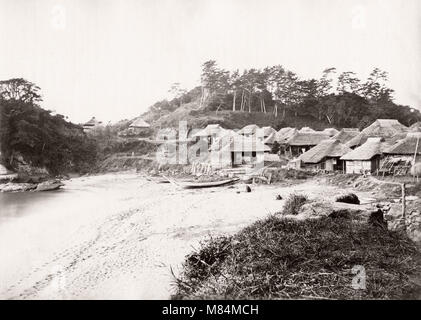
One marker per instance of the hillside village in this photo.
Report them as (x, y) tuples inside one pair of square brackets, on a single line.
[(385, 147)]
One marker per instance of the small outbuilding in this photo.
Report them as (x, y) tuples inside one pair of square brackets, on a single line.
[(365, 158), (325, 156)]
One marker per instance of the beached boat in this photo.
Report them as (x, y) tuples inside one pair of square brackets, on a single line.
[(194, 185)]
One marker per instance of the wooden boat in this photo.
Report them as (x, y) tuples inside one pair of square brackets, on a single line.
[(195, 185)]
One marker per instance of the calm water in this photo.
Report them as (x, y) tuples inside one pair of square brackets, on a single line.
[(78, 195)]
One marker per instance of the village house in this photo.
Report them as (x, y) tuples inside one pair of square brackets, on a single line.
[(301, 142), (399, 157), (237, 151), (210, 133), (325, 156), (365, 158), (91, 125)]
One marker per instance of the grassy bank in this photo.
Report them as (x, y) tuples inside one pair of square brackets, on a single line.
[(278, 258)]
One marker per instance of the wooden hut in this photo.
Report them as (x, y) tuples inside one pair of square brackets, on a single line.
[(301, 142), (365, 158), (325, 156), (399, 157)]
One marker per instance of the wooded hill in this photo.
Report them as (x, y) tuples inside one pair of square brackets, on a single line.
[(278, 97), (34, 138)]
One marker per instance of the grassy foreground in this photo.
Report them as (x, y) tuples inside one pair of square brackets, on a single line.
[(277, 258)]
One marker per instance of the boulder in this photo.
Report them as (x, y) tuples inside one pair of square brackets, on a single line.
[(49, 185), (17, 187)]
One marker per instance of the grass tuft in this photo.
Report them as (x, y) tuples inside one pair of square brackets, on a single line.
[(293, 203)]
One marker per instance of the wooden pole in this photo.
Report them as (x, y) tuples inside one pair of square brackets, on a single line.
[(404, 206)]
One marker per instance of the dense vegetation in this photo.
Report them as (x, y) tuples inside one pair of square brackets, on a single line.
[(277, 258), (33, 136), (282, 97)]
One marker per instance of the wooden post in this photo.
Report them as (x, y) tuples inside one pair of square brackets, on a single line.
[(404, 205)]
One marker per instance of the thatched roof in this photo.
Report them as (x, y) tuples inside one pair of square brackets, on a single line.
[(415, 127), (210, 130), (271, 139), (385, 128), (346, 134), (306, 139), (306, 129), (330, 148), (330, 131), (284, 134), (245, 144), (406, 146), (91, 123), (265, 131), (139, 123), (249, 129), (371, 148)]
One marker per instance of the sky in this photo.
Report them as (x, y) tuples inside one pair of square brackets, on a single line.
[(114, 58)]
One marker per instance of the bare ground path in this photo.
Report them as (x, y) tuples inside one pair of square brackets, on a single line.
[(124, 249)]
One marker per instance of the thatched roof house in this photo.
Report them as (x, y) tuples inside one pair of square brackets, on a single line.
[(237, 151), (306, 139), (139, 123), (329, 148), (325, 156), (365, 158), (385, 128), (301, 142), (91, 124)]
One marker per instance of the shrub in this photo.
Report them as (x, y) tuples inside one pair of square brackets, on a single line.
[(348, 198), (293, 203)]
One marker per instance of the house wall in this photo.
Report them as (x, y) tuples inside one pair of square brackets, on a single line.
[(359, 166)]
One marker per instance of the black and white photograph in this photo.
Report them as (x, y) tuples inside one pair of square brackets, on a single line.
[(210, 150)]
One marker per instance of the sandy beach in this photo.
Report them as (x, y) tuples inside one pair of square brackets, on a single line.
[(117, 236)]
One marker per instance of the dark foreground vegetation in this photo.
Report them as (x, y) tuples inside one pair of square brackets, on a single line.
[(277, 258)]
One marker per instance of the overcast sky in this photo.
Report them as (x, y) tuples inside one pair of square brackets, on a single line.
[(114, 58)]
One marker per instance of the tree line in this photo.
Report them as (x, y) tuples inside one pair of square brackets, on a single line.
[(339, 99)]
